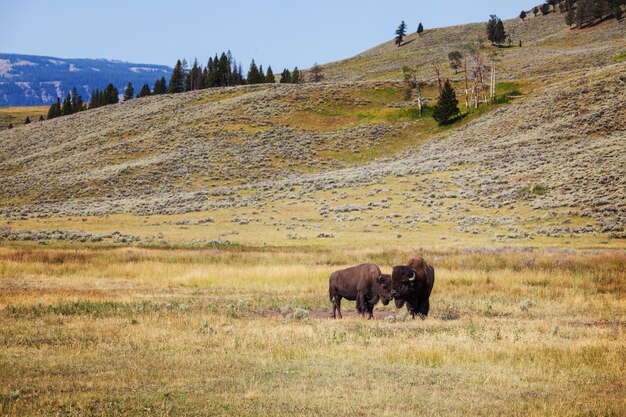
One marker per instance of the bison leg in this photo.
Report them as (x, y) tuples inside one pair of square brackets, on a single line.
[(337, 306), (423, 309), (361, 304)]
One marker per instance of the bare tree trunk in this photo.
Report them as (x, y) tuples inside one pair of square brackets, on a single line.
[(475, 92), (412, 79), (493, 84), (419, 101), (438, 74), (467, 103), (482, 85)]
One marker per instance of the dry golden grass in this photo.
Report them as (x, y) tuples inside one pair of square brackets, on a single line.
[(183, 332), (17, 115)]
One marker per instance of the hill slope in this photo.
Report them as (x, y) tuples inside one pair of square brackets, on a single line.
[(28, 80), (548, 47), (287, 163)]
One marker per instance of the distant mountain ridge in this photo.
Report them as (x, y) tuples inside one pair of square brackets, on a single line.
[(30, 80)]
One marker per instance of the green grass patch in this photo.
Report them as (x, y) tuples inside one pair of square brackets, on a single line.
[(366, 115), (381, 95), (508, 88), (620, 57), (406, 115)]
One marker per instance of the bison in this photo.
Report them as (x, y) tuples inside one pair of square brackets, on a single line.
[(412, 284), (363, 283)]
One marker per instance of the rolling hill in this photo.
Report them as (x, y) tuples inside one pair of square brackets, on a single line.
[(28, 80), (302, 164)]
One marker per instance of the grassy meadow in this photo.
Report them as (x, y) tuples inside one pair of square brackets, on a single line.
[(17, 115), (245, 331)]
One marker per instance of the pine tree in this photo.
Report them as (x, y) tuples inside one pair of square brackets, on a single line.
[(41, 118), (237, 77), (490, 28), (295, 76), (209, 74), (51, 112), (145, 91), (535, 11), (570, 17), (617, 11), (240, 75), (420, 29), (269, 76), (129, 92), (55, 109), (285, 77), (185, 73), (94, 100), (75, 106), (316, 73), (225, 72), (601, 9), (215, 76), (522, 15), (447, 106), (253, 74), (195, 79), (545, 9), (261, 75), (400, 32), (110, 95), (77, 101), (27, 121), (66, 109), (177, 79), (585, 12), (10, 125), (80, 106), (500, 34)]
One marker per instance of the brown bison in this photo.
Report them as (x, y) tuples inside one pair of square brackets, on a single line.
[(363, 283), (412, 284)]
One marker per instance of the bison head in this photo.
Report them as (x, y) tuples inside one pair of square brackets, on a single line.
[(403, 284), (383, 288)]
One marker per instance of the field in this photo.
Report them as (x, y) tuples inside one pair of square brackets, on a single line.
[(170, 255), (125, 331), (17, 115)]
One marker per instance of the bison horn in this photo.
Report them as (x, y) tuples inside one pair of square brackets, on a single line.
[(412, 278)]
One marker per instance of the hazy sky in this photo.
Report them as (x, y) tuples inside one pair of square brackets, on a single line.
[(283, 33)]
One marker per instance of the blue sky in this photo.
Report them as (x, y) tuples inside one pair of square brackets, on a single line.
[(283, 33)]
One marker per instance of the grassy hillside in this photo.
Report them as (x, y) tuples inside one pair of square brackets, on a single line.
[(324, 164), (549, 47)]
